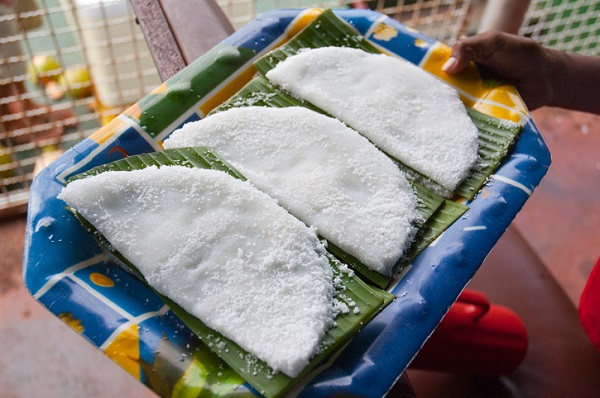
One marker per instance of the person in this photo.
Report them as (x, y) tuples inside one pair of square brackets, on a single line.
[(543, 77), (22, 119)]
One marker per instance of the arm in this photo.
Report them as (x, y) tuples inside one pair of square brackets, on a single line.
[(543, 76)]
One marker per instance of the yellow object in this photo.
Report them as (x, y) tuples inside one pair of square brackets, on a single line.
[(108, 130), (125, 351), (191, 383), (498, 100), (107, 114), (72, 322), (76, 82), (101, 280), (6, 168), (234, 85), (43, 69), (385, 32)]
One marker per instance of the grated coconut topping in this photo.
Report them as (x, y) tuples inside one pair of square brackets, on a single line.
[(402, 109), (321, 171), (221, 249)]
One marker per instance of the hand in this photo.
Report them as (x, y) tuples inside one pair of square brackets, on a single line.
[(517, 60)]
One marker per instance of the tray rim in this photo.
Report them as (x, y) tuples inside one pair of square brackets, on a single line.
[(512, 184)]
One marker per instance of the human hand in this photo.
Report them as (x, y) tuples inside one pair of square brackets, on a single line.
[(517, 60)]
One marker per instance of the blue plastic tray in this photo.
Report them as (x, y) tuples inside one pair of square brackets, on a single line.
[(67, 272)]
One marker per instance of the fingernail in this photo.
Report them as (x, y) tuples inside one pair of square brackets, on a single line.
[(449, 64)]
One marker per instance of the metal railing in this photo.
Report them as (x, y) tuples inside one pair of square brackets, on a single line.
[(75, 64), (69, 66)]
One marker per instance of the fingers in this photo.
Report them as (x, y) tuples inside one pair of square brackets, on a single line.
[(512, 59), (476, 48), (454, 64), (459, 59)]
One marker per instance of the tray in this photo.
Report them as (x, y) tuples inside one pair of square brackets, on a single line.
[(67, 272)]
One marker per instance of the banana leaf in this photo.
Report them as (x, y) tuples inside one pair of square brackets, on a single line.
[(363, 300), (260, 92), (441, 219), (326, 30), (190, 157), (495, 135)]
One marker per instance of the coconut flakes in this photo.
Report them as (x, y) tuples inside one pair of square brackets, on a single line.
[(402, 109), (221, 249), (321, 171)]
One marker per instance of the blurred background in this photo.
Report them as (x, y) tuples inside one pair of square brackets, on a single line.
[(87, 60), (70, 66)]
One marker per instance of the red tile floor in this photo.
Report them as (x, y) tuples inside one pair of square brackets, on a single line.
[(561, 221), (41, 356)]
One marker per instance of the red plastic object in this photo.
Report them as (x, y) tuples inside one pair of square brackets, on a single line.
[(475, 337), (589, 306)]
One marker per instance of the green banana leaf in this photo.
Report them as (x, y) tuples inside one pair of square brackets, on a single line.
[(495, 136), (327, 30), (363, 300), (443, 217), (189, 157), (260, 92)]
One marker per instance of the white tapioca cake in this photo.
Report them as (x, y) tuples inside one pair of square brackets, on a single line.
[(321, 171), (222, 250), (402, 109)]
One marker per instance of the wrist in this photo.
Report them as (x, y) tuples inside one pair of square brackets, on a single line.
[(575, 80), (558, 77)]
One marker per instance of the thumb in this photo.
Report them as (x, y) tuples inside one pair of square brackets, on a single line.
[(476, 48), (459, 59)]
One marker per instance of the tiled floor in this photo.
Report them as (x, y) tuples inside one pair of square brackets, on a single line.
[(561, 221), (43, 357)]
